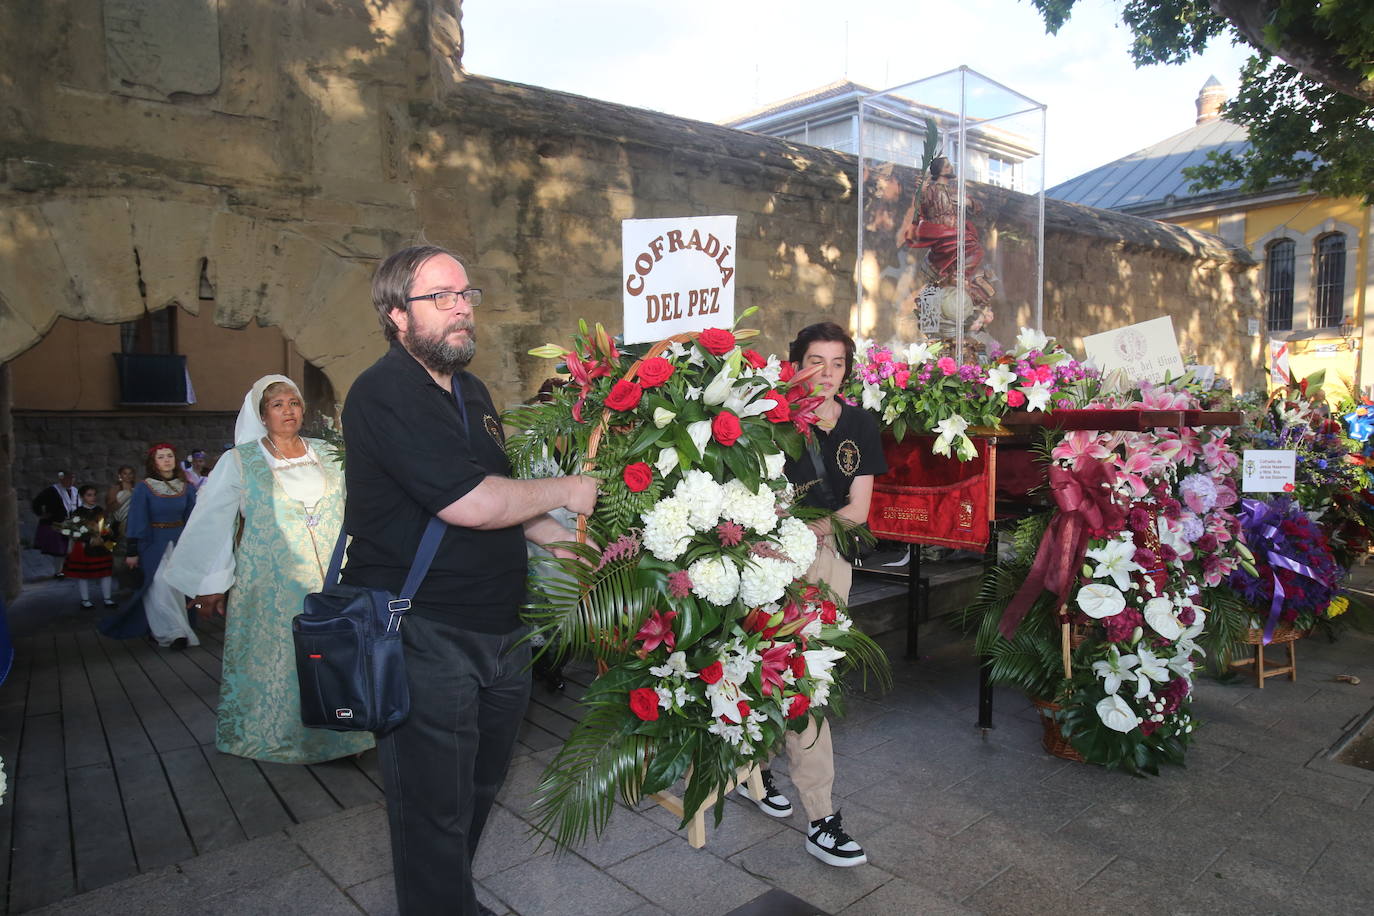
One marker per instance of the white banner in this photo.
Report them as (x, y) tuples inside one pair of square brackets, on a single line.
[(679, 275), (1145, 351)]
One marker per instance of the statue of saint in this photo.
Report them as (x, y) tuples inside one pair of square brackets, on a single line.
[(935, 228)]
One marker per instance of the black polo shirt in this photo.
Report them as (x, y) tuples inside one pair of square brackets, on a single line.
[(407, 457), (852, 449)]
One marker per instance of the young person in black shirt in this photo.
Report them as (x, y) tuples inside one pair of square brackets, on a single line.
[(423, 439), (835, 472)]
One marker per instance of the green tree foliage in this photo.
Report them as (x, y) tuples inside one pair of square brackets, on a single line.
[(1306, 96)]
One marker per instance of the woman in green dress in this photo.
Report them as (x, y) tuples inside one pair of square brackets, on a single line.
[(290, 495)]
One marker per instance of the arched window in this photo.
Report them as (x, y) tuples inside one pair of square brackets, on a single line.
[(1278, 268), (1329, 283)]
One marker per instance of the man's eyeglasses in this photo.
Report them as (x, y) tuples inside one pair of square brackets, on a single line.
[(448, 298)]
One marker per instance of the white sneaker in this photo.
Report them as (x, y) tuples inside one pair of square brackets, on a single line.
[(773, 803), (828, 842)]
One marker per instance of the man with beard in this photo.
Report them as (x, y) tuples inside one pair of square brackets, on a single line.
[(423, 439)]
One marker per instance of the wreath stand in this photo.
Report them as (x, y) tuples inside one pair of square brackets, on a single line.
[(1285, 636)]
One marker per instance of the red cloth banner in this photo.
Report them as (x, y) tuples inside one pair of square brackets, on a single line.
[(928, 499)]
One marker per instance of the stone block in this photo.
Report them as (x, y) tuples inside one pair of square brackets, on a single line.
[(566, 884), (239, 247), (95, 238), (171, 237), (351, 847)]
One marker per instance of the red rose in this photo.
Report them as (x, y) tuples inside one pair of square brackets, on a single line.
[(798, 663), (1015, 398), (725, 428), (782, 411), (712, 673), (716, 341), (829, 613), (637, 476), (798, 707), (644, 703), (744, 710), (753, 358), (624, 396), (654, 371), (788, 370)]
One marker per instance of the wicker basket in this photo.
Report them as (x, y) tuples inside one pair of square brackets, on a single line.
[(1282, 633), (1054, 741)]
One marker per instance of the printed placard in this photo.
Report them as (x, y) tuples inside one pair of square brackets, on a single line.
[(1146, 352), (1268, 470), (679, 275)]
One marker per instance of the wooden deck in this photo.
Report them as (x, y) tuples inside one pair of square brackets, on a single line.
[(110, 750)]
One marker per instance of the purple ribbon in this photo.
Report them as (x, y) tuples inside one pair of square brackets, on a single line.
[(1255, 518)]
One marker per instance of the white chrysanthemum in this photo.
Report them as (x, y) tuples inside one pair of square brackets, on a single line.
[(764, 579), (798, 542), (701, 494), (756, 510), (714, 579), (667, 531)]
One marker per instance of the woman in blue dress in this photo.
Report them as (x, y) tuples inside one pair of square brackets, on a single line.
[(157, 513)]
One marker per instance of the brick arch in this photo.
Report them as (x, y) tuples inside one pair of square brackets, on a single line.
[(111, 259)]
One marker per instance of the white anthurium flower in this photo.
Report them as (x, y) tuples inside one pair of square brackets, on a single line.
[(1191, 632), (1037, 396), (663, 416), (1117, 714), (719, 388), (820, 661), (1099, 600), (1030, 339), (872, 397), (1114, 559), (1000, 379), (667, 461), (1159, 614), (700, 433), (919, 353), (1151, 666), (1114, 669)]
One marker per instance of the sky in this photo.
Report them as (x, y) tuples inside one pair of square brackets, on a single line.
[(712, 60)]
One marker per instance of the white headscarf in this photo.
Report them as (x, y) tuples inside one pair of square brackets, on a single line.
[(249, 427)]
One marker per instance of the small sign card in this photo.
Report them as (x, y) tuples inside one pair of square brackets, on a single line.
[(1268, 470), (679, 275), (1145, 351)]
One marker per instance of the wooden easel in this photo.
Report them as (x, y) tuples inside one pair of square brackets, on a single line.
[(696, 829)]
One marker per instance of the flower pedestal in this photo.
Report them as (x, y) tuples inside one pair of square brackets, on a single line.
[(696, 829), (1283, 635)]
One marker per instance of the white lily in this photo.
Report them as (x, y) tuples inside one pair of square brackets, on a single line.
[(676, 350), (1115, 669), (725, 697), (1030, 339), (918, 353), (1151, 666), (719, 388), (1000, 379), (1114, 559), (820, 661), (675, 665), (696, 357), (667, 461), (742, 404), (694, 392), (951, 433), (663, 416), (772, 370), (700, 433), (1117, 714), (1182, 665), (873, 397), (1037, 396)]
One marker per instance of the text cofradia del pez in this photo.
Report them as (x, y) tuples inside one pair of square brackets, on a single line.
[(667, 306)]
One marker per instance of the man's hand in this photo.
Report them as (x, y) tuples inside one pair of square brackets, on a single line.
[(131, 562), (581, 496), (209, 604)]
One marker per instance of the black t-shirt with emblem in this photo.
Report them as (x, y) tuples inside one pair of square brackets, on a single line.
[(852, 449), (407, 456)]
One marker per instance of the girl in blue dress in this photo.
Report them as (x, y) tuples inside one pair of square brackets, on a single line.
[(157, 512)]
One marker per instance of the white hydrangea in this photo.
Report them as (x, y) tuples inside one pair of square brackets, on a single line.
[(667, 531), (714, 579), (701, 494), (755, 510), (764, 579), (798, 542)]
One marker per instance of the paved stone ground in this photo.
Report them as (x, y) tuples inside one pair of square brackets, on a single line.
[(1261, 821)]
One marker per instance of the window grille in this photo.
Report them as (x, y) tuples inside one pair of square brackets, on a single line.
[(1329, 288), (1278, 265)]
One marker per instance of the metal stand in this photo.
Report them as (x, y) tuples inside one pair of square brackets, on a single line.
[(917, 602)]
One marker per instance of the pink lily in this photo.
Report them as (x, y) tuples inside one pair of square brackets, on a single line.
[(771, 668), (1132, 472), (657, 631), (1080, 447)]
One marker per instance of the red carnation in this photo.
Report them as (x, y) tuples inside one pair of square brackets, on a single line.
[(716, 341), (644, 703), (637, 476), (1015, 398), (744, 710), (829, 612), (781, 412), (798, 663), (624, 396), (726, 428), (796, 709), (654, 371), (753, 358), (712, 673)]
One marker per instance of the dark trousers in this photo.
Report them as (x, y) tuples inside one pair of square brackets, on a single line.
[(443, 766)]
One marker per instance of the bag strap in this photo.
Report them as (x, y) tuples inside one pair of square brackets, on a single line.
[(822, 484), (419, 567)]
